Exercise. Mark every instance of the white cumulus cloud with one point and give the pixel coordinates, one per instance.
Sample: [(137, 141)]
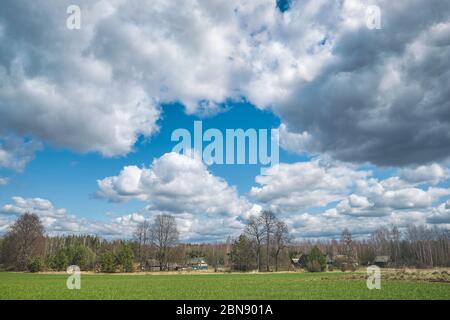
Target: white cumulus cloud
[(293, 187), (175, 183)]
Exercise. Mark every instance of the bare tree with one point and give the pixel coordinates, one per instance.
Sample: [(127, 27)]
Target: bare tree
[(164, 236), (348, 250), (142, 237), (269, 222), (24, 241), (281, 239), (255, 232), (395, 243), (347, 243)]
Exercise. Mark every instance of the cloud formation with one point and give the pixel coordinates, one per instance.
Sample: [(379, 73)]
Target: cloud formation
[(58, 221), (354, 93), (297, 186), (341, 90), (441, 214), (56, 90), (433, 174), (175, 183), (380, 95), (15, 152), (292, 188), (319, 198)]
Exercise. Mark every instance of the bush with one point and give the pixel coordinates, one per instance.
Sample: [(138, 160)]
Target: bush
[(36, 264), (316, 261)]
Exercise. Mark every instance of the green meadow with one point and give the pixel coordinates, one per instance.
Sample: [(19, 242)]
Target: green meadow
[(334, 285)]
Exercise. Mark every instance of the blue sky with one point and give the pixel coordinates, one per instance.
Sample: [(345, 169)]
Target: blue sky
[(86, 114), (49, 174)]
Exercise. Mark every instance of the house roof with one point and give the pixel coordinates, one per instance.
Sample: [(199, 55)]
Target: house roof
[(381, 259)]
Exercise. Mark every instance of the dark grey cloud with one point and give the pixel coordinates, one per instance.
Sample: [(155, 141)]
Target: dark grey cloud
[(384, 96), (360, 95)]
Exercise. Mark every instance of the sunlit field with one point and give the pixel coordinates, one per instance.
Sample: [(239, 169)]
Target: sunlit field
[(334, 285)]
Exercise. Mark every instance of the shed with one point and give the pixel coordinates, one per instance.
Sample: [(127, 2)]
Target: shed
[(381, 261)]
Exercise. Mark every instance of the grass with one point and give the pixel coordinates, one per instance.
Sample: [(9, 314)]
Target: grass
[(333, 285)]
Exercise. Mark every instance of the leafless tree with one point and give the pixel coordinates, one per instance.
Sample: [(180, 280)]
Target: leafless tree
[(164, 236), (347, 243), (281, 239), (348, 250), (142, 238), (256, 233), (269, 223)]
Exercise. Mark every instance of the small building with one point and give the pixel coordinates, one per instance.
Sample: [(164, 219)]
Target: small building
[(343, 262), (381, 261), (300, 260), (197, 264), (155, 265), (152, 265)]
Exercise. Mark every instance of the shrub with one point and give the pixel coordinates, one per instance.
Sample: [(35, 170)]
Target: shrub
[(36, 264)]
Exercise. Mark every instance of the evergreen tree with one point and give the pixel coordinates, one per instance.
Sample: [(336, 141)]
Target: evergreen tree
[(126, 258), (317, 261), (60, 261), (107, 262)]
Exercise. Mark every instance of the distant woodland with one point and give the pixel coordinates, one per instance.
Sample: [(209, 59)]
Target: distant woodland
[(265, 245)]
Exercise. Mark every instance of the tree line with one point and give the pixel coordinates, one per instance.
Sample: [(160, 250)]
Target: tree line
[(264, 245)]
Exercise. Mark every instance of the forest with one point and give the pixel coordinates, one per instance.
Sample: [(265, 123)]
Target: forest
[(264, 245)]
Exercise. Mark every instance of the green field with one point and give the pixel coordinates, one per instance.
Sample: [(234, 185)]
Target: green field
[(217, 286)]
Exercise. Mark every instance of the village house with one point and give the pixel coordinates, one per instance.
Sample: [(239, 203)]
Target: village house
[(197, 263), (154, 265)]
